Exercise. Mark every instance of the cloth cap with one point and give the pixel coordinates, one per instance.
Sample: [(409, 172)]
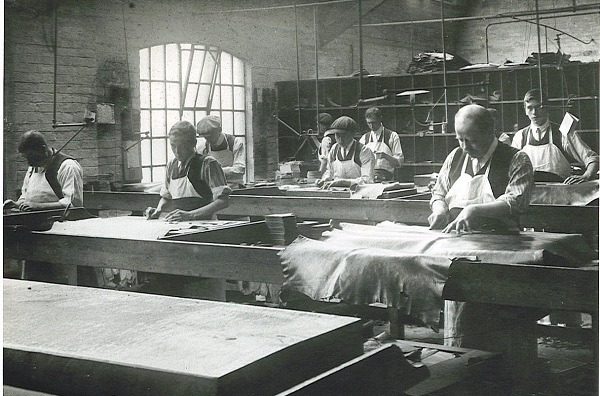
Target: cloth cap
[(344, 124), (208, 124)]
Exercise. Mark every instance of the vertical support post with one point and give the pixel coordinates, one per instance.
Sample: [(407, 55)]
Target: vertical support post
[(360, 49), (316, 27), (297, 67), (539, 44)]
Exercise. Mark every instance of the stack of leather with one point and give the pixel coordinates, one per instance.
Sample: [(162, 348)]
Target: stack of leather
[(282, 227)]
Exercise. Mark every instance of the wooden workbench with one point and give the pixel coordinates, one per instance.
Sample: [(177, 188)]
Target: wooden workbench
[(540, 217), (131, 242), (72, 340)]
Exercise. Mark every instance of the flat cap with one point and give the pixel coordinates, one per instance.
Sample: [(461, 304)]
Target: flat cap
[(344, 124), (208, 124)]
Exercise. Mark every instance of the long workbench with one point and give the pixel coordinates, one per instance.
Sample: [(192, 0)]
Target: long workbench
[(67, 340), (540, 217)]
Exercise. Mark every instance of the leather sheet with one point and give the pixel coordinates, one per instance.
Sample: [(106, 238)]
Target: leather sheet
[(564, 194), (406, 267), (412, 283)]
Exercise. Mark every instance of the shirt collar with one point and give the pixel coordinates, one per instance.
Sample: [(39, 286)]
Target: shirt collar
[(542, 128), (479, 163), (378, 132)]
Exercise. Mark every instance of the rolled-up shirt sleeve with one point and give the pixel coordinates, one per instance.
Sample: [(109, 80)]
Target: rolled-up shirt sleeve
[(578, 149), (70, 178), (164, 190), (396, 147), (367, 160), (214, 176), (520, 184), (442, 184)]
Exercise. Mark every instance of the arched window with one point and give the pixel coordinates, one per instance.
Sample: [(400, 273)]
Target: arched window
[(186, 82)]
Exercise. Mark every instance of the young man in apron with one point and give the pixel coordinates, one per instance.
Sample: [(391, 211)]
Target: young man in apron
[(227, 149), (551, 152), (482, 183), (195, 188), (385, 144), (349, 162), (53, 181)]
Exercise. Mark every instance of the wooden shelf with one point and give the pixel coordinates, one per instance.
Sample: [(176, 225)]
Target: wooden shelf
[(506, 84)]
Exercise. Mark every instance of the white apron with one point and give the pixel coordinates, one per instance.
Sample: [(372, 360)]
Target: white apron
[(346, 169), (547, 157), (182, 188), (38, 188), (226, 158), (379, 145), (470, 190)]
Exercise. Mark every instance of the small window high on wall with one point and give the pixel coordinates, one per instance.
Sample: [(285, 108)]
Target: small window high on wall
[(186, 82)]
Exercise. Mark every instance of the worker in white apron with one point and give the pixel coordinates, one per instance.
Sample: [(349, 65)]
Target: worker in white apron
[(227, 149), (195, 189), (385, 145), (349, 162), (53, 181), (551, 151)]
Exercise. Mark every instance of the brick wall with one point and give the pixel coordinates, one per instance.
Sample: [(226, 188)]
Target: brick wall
[(516, 41), (95, 61)]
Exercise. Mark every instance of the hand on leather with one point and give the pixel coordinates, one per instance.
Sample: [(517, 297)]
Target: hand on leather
[(575, 179), (179, 215), (152, 213), (463, 222), (438, 220)]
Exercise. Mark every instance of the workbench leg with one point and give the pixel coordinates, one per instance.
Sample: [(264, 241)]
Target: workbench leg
[(595, 330), (396, 323)]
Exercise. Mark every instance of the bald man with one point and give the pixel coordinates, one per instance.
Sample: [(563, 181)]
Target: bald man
[(482, 185)]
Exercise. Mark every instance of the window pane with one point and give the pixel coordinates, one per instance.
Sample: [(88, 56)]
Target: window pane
[(158, 95), (185, 59), (203, 96), (144, 95), (239, 98), (173, 93), (239, 121), (238, 71), (170, 154), (226, 98), (188, 115), (145, 147), (216, 100), (209, 69), (226, 68), (157, 59), (172, 118), (146, 175), (158, 173), (172, 62), (190, 95), (159, 151), (227, 121), (197, 64), (199, 115), (145, 121), (158, 124), (144, 64)]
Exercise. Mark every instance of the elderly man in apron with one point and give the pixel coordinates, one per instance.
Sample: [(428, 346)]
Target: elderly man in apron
[(53, 181), (385, 144), (195, 188), (227, 149), (349, 162), (482, 185), (551, 151)]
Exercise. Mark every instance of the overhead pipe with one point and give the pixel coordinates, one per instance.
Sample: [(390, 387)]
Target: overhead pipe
[(584, 7), (515, 20)]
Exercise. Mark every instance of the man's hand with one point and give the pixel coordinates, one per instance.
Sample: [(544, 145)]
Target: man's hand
[(382, 155), (29, 206), (463, 222), (179, 215), (319, 182), (575, 179), (9, 204), (152, 213), (437, 221)]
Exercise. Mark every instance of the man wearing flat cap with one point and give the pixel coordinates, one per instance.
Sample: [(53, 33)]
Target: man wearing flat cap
[(227, 149), (349, 162)]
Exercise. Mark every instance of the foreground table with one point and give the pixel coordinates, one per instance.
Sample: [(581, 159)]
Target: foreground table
[(73, 340)]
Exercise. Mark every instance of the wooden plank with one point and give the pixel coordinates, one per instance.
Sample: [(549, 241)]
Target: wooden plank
[(249, 233), (383, 371), (556, 288), (56, 340), (208, 260), (551, 218)]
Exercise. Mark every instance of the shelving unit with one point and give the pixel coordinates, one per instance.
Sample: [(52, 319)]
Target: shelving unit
[(574, 88)]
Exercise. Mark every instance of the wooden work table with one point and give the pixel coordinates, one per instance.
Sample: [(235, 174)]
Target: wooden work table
[(62, 339), (540, 217)]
